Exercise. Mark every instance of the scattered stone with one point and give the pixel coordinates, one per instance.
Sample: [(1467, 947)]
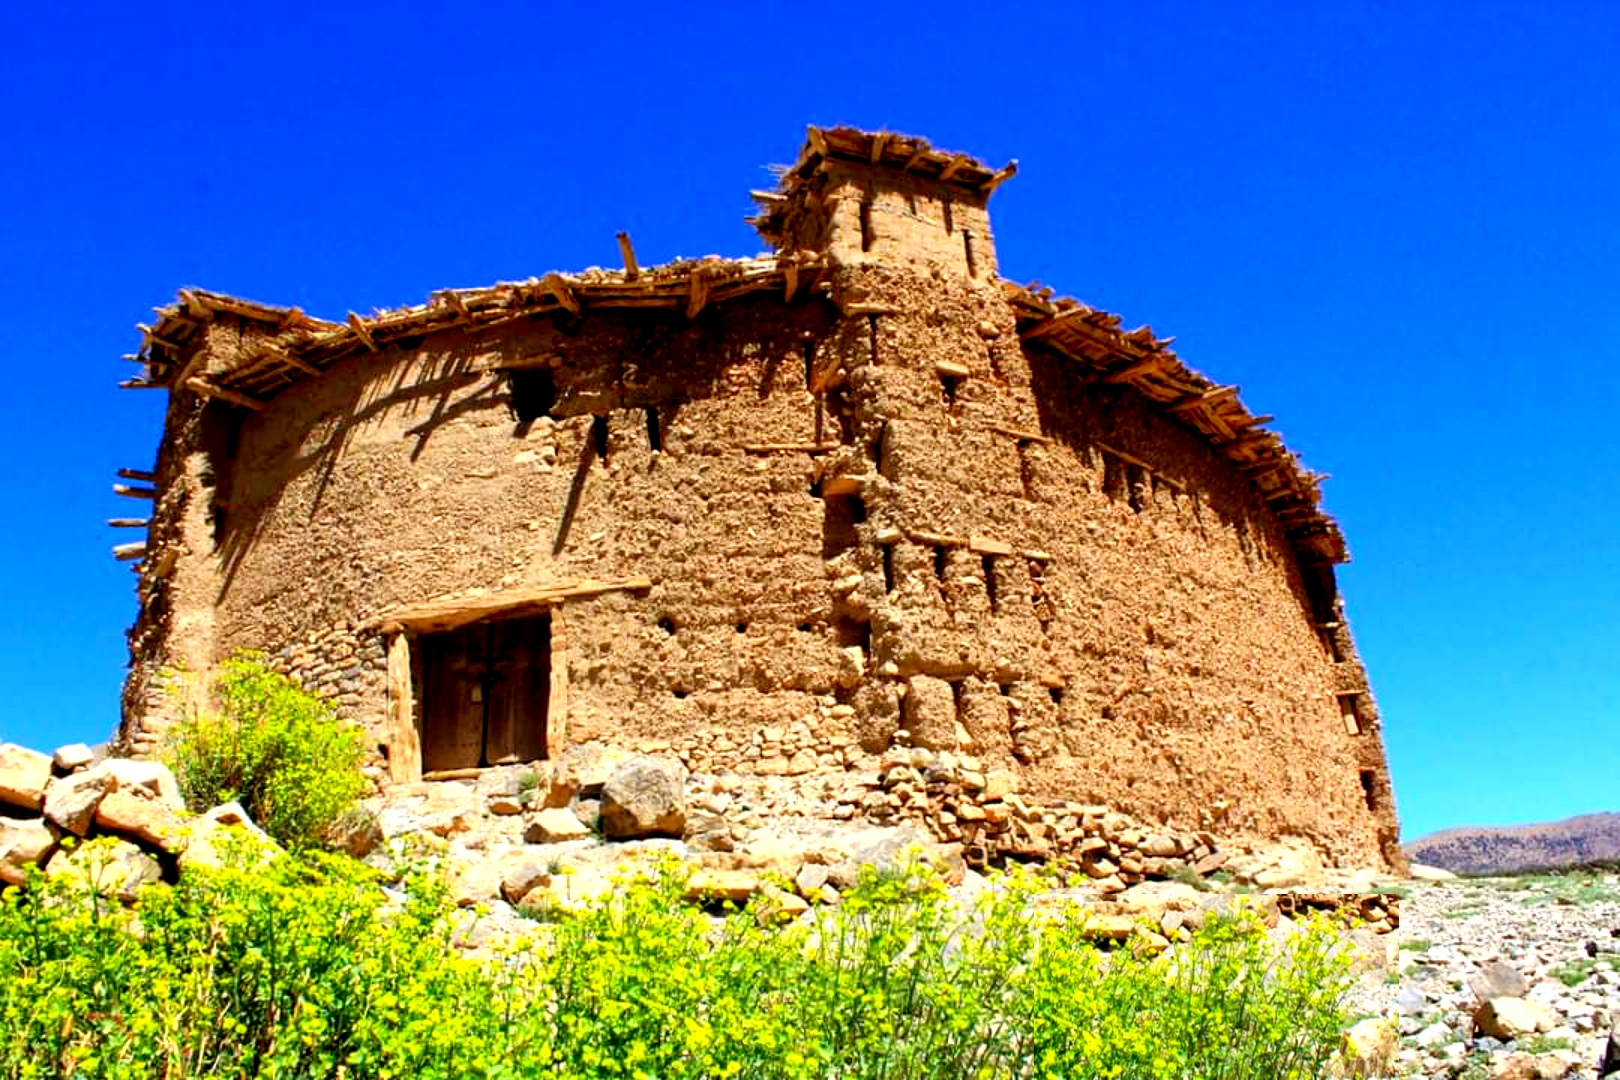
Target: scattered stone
[(737, 886), (1498, 979), (1368, 1048), (72, 757), (23, 844), (1513, 1018), (554, 826)]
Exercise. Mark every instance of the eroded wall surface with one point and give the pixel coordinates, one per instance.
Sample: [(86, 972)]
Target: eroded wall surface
[(871, 514)]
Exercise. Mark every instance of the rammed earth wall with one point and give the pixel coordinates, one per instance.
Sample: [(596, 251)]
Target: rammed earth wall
[(866, 513)]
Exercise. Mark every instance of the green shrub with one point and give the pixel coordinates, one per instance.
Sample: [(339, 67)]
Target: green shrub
[(309, 969), (275, 748)]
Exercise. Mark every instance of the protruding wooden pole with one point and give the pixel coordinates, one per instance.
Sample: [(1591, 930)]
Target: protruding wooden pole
[(632, 269), (134, 492), (557, 287), (128, 523), (130, 552)]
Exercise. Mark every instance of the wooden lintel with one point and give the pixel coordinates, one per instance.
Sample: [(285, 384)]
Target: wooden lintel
[(841, 485), (698, 295), (134, 492), (129, 552), (358, 325), (786, 448), (232, 397), (934, 539), (558, 288), (128, 523), (632, 269), (137, 474), (454, 612), (952, 369), (870, 309), (983, 545)]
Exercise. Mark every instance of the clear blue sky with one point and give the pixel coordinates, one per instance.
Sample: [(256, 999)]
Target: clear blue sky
[(1394, 225)]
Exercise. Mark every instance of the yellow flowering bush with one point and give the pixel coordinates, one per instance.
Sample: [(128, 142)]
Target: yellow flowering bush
[(315, 967)]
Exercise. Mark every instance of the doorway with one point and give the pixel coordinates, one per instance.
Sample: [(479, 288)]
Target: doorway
[(485, 693)]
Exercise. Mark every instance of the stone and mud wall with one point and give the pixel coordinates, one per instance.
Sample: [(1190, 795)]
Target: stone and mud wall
[(866, 518)]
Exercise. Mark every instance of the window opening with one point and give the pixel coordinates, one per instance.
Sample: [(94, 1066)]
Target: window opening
[(866, 224), (599, 437), (809, 364), (1369, 789), (533, 393), (951, 385), (854, 633), (939, 564), (1136, 484), (967, 250), (989, 562), (1026, 469), (872, 335), (1350, 711), (1056, 694), (888, 569)]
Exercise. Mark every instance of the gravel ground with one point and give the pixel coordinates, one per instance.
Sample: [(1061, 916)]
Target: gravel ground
[(1552, 941)]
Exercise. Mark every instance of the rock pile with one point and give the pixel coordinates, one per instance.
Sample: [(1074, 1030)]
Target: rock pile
[(51, 806)]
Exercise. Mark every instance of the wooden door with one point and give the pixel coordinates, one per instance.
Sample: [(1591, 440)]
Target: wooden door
[(485, 693)]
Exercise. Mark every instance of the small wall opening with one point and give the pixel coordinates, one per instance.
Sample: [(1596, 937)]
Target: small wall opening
[(972, 259), (1056, 694), (1113, 477), (667, 625), (951, 386), (1369, 789), (940, 563), (532, 393), (1136, 486), (840, 516), (866, 224), (948, 213), (854, 633), (888, 568), (485, 694), (599, 437), (655, 431), (1026, 469), (872, 337), (1040, 596), (809, 348), (992, 588), (838, 404)]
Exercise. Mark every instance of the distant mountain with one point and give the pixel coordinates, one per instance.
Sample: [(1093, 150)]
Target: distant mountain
[(1590, 838)]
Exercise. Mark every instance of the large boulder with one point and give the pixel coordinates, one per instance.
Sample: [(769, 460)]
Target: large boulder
[(73, 757), (71, 801), (112, 867), (645, 796), (23, 844), (24, 774)]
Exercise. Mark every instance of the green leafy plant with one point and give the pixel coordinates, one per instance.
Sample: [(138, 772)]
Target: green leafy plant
[(310, 968), (275, 748)]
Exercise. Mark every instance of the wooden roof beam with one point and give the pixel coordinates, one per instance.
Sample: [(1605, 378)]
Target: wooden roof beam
[(289, 360), (232, 397), (999, 177), (560, 290), (1200, 402), (1148, 365), (359, 327), (954, 166), (698, 295), (880, 142)]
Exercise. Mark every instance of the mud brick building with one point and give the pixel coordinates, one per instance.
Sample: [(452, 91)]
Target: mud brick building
[(862, 487)]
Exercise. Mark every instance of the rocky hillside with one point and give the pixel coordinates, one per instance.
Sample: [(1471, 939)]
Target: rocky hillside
[(1578, 841)]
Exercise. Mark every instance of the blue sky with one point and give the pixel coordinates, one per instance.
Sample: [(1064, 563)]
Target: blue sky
[(1394, 225)]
